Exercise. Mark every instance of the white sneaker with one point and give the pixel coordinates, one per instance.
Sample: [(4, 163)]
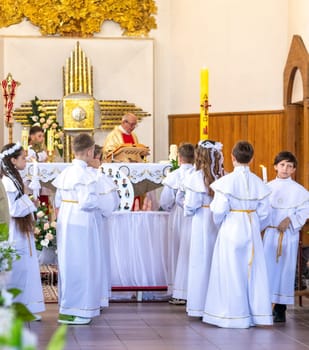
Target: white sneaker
[(37, 317), (176, 301), (75, 320)]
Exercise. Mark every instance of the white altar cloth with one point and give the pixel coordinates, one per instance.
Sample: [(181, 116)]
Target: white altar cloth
[(138, 248), (145, 177)]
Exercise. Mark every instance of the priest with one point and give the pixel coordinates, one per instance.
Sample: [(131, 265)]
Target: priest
[(121, 134)]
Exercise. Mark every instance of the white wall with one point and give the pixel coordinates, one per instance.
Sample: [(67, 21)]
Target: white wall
[(243, 43)]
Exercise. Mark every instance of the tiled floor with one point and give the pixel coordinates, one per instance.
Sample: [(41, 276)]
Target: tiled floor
[(161, 326)]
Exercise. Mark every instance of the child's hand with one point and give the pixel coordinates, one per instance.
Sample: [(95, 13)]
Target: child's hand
[(95, 163), (284, 224), (36, 202)]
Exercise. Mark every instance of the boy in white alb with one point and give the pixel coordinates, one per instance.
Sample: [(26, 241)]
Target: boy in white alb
[(108, 202), (238, 293), (78, 240), (177, 223), (289, 212), (36, 144)]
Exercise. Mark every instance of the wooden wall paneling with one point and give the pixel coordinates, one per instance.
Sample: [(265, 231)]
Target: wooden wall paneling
[(184, 128), (301, 146), (265, 134), (263, 129), (227, 129)]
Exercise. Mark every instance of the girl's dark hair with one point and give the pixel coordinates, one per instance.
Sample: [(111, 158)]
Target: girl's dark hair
[(285, 155), (26, 223)]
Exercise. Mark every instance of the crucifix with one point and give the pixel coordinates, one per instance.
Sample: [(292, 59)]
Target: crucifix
[(9, 86)]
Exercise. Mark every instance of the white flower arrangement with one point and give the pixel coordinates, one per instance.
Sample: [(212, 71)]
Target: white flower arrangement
[(13, 334), (8, 255), (173, 153), (44, 231), (173, 157), (39, 116)]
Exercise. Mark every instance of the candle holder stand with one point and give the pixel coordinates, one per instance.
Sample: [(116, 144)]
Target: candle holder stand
[(51, 155)]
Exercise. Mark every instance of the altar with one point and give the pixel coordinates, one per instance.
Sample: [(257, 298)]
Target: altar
[(144, 177), (138, 240)]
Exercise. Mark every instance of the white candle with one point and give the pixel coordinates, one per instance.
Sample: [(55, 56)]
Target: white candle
[(264, 173), (35, 168), (24, 138), (35, 183)]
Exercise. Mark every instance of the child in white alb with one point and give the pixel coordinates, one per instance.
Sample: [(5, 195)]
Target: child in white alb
[(208, 168), (108, 202), (177, 223), (26, 272), (289, 212), (238, 292), (78, 237)]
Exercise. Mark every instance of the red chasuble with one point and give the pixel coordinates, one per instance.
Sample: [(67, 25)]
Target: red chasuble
[(127, 138)]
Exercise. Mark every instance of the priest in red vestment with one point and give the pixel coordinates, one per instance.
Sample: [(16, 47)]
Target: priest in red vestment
[(121, 134)]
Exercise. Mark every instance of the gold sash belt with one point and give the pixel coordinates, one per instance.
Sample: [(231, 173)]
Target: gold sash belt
[(205, 206), (280, 240), (243, 210), (69, 201), (248, 211)]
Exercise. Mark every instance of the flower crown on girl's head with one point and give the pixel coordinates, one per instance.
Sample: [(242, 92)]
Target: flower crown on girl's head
[(211, 144), (10, 150)]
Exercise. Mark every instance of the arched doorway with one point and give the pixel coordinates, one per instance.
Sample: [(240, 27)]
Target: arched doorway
[(296, 126)]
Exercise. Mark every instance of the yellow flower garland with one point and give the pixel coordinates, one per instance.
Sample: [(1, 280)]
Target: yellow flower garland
[(80, 18)]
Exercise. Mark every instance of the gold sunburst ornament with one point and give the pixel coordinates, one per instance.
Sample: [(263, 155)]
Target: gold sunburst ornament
[(80, 18)]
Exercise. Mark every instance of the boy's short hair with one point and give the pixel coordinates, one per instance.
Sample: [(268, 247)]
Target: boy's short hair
[(34, 129), (82, 142), (243, 152), (186, 152), (285, 155)]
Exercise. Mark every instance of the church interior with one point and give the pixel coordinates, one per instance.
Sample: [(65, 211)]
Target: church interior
[(256, 55)]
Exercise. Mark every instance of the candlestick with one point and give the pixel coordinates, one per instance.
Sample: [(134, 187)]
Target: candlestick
[(204, 104), (264, 173), (50, 140), (24, 138)]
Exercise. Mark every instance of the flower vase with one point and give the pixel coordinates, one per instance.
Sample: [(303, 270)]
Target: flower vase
[(48, 256)]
